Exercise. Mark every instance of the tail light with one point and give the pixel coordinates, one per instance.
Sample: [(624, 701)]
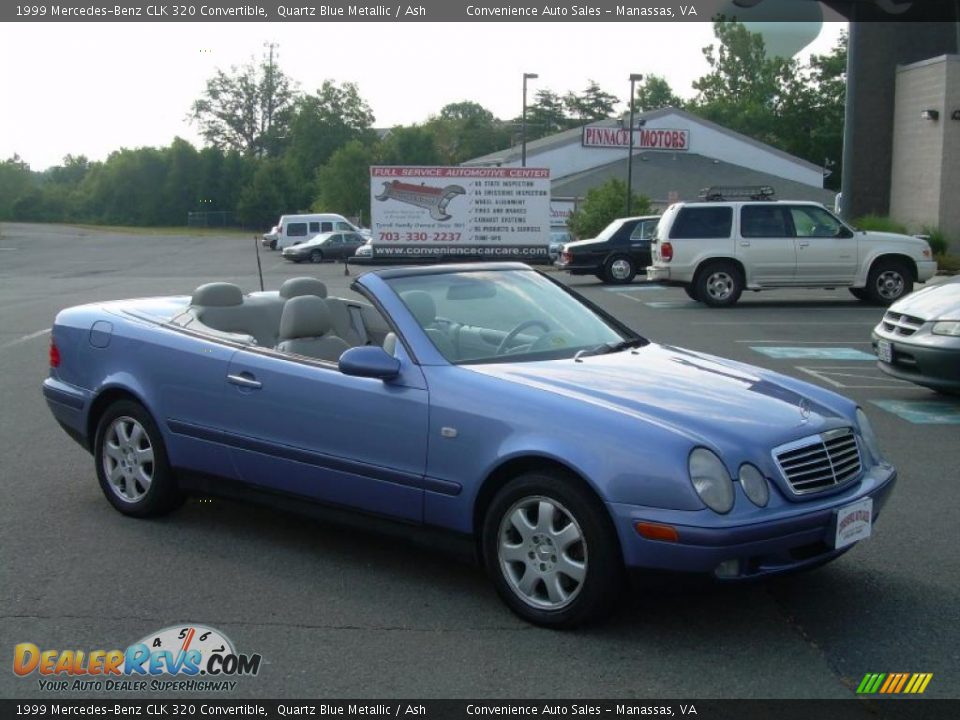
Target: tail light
[(666, 251), (54, 354), (566, 257)]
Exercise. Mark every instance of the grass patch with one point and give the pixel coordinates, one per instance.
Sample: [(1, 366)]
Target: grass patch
[(181, 231), (948, 264)]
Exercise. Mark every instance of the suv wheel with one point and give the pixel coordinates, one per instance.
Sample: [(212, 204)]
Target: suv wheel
[(691, 292), (888, 281), (619, 270), (718, 284)]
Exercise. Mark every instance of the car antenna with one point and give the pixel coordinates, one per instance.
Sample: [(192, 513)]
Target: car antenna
[(256, 249)]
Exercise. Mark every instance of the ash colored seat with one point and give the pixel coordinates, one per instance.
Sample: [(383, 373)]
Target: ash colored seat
[(424, 309), (345, 324), (223, 307), (306, 329), (298, 286)]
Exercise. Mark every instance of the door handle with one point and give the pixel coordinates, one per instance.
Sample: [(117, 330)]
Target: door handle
[(744, 243), (804, 243), (245, 380)]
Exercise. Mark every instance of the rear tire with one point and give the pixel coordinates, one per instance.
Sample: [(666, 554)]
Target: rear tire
[(691, 292), (859, 293), (619, 270), (718, 284), (131, 461), (551, 550), (888, 281)]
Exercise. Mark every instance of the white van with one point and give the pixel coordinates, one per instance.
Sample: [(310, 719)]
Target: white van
[(293, 229)]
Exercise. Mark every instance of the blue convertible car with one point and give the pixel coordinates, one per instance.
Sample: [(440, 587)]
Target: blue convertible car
[(485, 400)]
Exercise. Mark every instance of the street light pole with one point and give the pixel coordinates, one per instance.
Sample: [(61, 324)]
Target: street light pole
[(634, 78), (523, 123)]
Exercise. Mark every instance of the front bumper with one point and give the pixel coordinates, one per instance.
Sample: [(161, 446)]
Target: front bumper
[(792, 540), (926, 269), (294, 255), (934, 367)]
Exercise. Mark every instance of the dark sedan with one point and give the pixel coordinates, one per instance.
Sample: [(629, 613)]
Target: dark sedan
[(615, 255)]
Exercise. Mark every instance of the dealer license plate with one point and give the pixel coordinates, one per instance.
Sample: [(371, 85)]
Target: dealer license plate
[(885, 351), (854, 523)]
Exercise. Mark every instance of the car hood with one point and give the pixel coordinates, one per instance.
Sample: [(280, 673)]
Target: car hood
[(940, 302), (589, 242), (723, 403), (889, 237)]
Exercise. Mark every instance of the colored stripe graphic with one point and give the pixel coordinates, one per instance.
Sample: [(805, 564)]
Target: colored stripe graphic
[(894, 683)]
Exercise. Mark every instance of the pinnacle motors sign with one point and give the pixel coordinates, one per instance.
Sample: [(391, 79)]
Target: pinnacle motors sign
[(643, 138)]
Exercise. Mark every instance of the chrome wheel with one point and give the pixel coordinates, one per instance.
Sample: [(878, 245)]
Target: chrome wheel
[(542, 553), (620, 269), (890, 284), (720, 285), (128, 459)]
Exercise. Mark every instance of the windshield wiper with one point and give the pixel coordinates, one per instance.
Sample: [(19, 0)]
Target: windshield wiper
[(610, 347)]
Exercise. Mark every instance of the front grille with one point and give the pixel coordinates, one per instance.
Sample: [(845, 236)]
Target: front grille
[(819, 462), (900, 324)]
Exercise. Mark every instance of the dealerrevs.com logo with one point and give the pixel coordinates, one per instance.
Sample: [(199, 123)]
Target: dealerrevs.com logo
[(177, 658)]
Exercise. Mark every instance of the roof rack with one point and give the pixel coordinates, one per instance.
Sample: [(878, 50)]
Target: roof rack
[(730, 192)]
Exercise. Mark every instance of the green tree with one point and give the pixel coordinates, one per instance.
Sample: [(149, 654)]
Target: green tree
[(323, 123), (655, 93), (466, 130), (181, 187), (546, 116), (15, 181), (247, 109), (603, 205), (266, 197), (344, 182), (591, 104), (413, 145)]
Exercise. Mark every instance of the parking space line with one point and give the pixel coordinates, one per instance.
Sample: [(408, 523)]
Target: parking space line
[(632, 288), (923, 412), (24, 338), (837, 374), (809, 342), (783, 352), (791, 323)]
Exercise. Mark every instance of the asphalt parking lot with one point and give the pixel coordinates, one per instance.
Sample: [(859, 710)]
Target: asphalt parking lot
[(339, 613)]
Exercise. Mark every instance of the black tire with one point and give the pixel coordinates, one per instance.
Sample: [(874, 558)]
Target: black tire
[(888, 281), (573, 601), (691, 292), (316, 256), (125, 460), (619, 270), (273, 244), (718, 284), (859, 293)]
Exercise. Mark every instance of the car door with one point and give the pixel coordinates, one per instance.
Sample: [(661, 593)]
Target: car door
[(301, 426), (640, 241), (766, 245), (333, 247), (826, 248), (352, 241)]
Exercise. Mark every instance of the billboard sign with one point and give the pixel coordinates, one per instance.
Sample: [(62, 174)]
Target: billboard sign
[(643, 138)]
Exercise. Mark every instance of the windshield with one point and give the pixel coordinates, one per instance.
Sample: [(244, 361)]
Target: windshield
[(513, 315)]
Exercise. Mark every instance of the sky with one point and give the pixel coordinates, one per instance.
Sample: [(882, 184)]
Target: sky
[(92, 88)]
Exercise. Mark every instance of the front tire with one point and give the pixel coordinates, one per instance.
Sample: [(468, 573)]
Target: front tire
[(859, 293), (316, 256), (131, 461), (550, 548), (719, 284), (888, 281), (619, 270), (691, 292)]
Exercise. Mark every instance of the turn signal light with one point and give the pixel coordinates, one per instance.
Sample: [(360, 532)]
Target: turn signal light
[(54, 354), (666, 251), (655, 531)]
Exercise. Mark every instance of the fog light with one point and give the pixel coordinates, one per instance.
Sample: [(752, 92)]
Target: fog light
[(655, 531), (728, 569)]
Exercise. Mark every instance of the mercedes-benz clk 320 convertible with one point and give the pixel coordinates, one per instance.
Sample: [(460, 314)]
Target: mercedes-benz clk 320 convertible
[(485, 400)]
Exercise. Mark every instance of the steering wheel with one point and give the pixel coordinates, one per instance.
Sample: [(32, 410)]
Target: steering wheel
[(512, 335)]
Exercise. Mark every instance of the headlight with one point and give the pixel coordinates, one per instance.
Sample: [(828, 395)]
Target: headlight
[(711, 480), (754, 484), (869, 437), (946, 327)]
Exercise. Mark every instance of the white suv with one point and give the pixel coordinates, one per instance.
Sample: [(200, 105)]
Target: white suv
[(715, 250)]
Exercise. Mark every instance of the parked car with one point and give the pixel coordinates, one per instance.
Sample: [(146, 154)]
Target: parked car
[(269, 239), (558, 238), (485, 402), (716, 250), (615, 255), (326, 246), (919, 338)]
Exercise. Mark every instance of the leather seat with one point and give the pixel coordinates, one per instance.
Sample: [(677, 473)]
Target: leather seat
[(424, 309), (305, 329)]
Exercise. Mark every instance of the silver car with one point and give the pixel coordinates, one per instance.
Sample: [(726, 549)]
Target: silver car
[(919, 338)]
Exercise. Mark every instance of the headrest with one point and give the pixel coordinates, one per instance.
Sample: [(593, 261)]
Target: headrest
[(422, 306), (295, 287), (303, 317), (217, 294), (390, 343)]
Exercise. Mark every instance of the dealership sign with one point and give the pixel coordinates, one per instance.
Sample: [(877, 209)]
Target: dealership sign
[(643, 138)]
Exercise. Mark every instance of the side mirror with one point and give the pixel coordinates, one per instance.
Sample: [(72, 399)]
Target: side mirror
[(845, 232), (369, 361)]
